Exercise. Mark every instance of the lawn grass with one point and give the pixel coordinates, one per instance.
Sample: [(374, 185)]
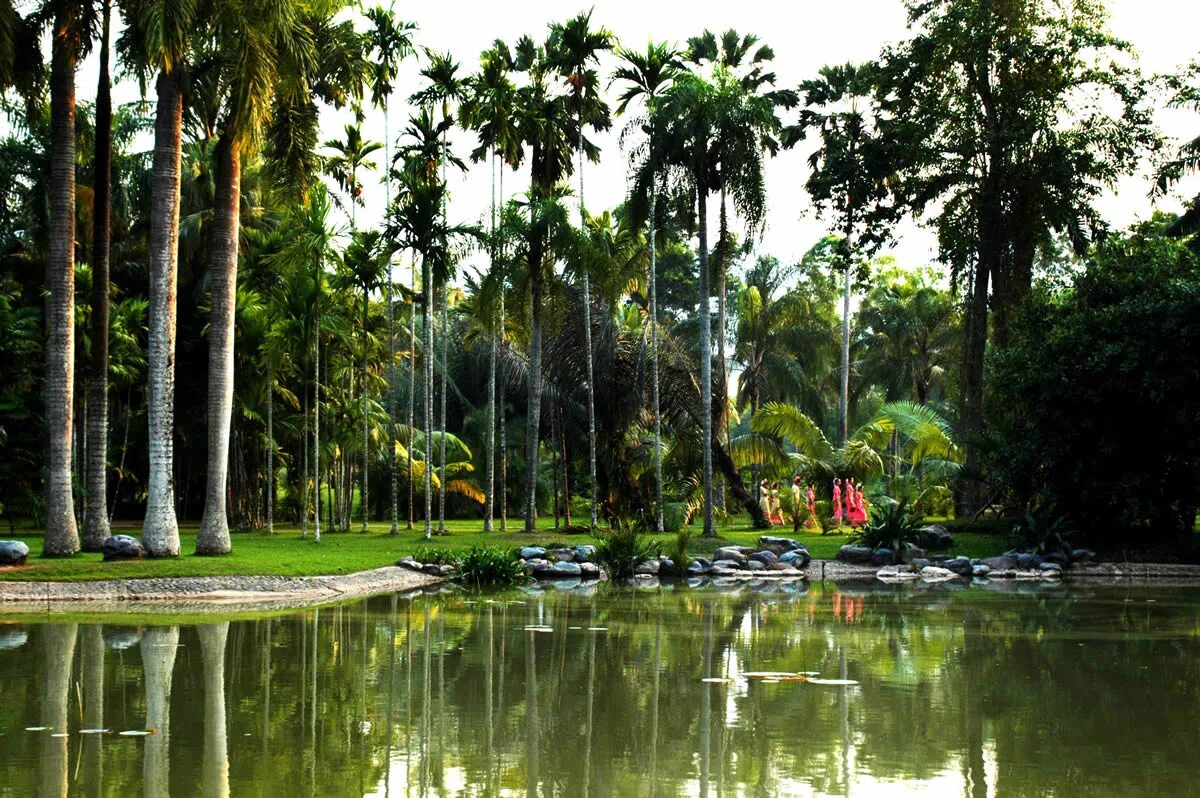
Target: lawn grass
[(287, 554)]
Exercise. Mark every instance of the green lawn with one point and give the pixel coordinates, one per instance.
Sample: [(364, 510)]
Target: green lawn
[(287, 554)]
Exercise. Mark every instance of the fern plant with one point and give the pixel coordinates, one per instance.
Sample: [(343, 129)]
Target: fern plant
[(891, 527)]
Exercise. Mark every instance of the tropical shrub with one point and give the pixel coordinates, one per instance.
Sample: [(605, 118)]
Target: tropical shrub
[(430, 554), (891, 526), (1041, 533), (622, 549), (489, 566)]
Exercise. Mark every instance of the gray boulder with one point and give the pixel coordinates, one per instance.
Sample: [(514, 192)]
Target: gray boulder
[(917, 563), (896, 573), (13, 552), (765, 557), (531, 553), (936, 538), (756, 565), (585, 552), (1028, 561), (589, 570), (697, 568), (931, 573), (732, 553), (1005, 562), (123, 547), (883, 556), (431, 568), (800, 558), (910, 552), (1056, 557), (726, 567), (567, 569), (855, 555), (959, 565), (1051, 569), (563, 555), (12, 637), (778, 545), (783, 568), (980, 570), (1082, 555), (648, 568)]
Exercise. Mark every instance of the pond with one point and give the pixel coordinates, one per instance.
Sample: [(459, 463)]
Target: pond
[(602, 692)]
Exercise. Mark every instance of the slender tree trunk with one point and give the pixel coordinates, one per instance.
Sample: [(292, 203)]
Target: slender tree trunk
[(213, 537), (391, 333), (722, 307), (62, 536), (366, 511), (658, 475), (705, 362), (317, 416), (589, 354), (412, 393), (445, 385), (158, 646), (844, 406), (534, 412), (95, 522), (304, 463), (491, 398), (427, 405), (500, 400), (271, 451)]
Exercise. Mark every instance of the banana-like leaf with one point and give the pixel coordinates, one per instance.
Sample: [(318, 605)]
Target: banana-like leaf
[(788, 422)]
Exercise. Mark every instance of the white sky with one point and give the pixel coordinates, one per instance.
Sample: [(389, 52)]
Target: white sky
[(804, 35)]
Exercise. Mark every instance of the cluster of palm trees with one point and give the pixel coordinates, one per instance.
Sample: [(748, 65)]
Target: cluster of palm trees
[(301, 309)]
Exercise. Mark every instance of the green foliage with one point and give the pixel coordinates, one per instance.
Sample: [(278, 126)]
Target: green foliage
[(1042, 532), (1101, 390), (891, 526), (621, 550), (438, 556), (679, 548), (489, 566)]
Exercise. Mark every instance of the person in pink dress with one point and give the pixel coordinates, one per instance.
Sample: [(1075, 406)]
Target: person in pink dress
[(848, 500), (812, 508), (837, 502), (862, 506)]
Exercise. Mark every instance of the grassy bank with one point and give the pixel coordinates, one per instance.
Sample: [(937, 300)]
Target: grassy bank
[(287, 554)]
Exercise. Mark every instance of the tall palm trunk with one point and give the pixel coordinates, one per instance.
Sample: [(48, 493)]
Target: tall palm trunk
[(844, 405), (95, 519), (705, 360), (412, 388), (160, 532), (500, 403), (317, 415), (366, 426), (658, 477), (490, 493), (271, 451), (722, 307), (534, 411), (391, 334), (587, 342), (62, 537), (442, 425), (427, 405), (213, 537)]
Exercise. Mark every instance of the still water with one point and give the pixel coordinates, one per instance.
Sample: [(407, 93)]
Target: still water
[(973, 692)]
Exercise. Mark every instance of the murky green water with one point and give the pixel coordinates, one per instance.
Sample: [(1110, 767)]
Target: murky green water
[(960, 692)]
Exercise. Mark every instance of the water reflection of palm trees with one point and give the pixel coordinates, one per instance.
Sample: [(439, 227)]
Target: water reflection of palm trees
[(215, 768), (58, 655), (159, 646)]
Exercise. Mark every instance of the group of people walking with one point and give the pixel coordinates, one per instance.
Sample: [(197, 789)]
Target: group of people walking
[(848, 504)]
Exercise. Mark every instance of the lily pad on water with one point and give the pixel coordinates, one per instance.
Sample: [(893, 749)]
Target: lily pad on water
[(834, 682), (597, 628), (93, 731), (716, 680), (539, 628), (60, 734), (138, 733), (36, 728), (768, 674)]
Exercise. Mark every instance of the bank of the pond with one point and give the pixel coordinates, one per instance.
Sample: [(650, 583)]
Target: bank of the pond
[(223, 591)]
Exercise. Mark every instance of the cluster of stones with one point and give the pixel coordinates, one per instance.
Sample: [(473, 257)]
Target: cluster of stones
[(430, 568), (912, 563), (779, 557), (116, 547), (566, 562)]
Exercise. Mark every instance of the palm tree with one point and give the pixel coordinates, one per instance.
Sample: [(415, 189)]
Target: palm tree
[(572, 50), (489, 110), (158, 31), (95, 523), (353, 156), (391, 42), (445, 87), (71, 22), (273, 73), (838, 106), (547, 126), (647, 76)]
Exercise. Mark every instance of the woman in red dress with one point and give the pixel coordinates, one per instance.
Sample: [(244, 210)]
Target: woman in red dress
[(837, 502)]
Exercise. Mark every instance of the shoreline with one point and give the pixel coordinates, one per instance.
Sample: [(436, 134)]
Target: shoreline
[(223, 593), (246, 593)]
